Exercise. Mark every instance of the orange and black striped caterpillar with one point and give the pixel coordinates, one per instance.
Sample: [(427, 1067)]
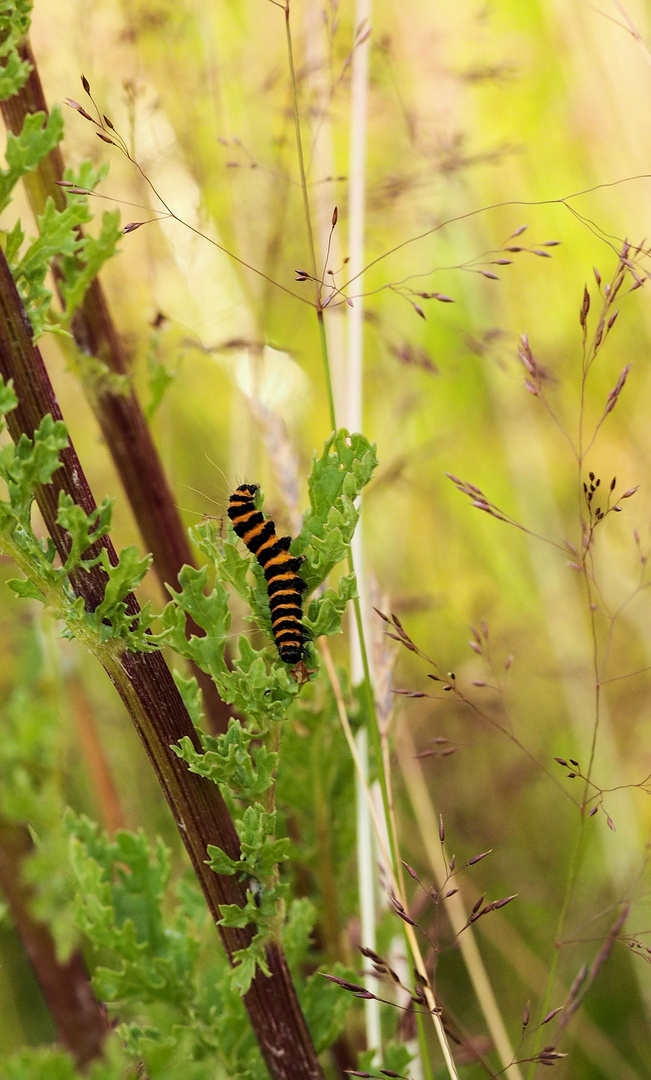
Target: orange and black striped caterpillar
[(284, 585)]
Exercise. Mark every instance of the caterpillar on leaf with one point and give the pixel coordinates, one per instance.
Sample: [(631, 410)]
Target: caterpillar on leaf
[(284, 585)]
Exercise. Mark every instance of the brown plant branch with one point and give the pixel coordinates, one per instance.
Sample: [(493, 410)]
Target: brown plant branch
[(118, 414), (152, 699), (80, 1019)]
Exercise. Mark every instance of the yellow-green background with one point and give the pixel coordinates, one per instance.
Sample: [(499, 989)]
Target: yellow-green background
[(486, 113)]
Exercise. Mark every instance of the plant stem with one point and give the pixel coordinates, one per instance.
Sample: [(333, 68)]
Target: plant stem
[(308, 220), (575, 863), (119, 415), (152, 699), (410, 935), (326, 368), (80, 1020), (426, 820)]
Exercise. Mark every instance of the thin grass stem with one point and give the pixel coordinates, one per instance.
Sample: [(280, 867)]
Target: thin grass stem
[(308, 217), (410, 934), (425, 815), (360, 667), (575, 863)]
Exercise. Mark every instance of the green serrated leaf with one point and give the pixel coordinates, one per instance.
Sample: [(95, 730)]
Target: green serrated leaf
[(236, 917), (24, 152), (26, 590), (13, 242), (234, 567), (247, 685), (80, 257), (122, 579), (88, 176), (222, 863), (15, 19), (246, 961), (91, 254), (13, 75), (121, 885), (228, 760), (260, 693), (260, 851), (8, 399), (59, 237), (209, 611), (191, 694), (324, 614), (337, 478), (33, 461), (83, 529)]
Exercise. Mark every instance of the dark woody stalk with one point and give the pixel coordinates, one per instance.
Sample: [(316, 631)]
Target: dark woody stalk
[(80, 1020), (118, 413), (146, 687)]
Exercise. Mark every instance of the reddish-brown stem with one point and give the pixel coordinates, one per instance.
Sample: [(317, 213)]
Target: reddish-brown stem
[(118, 413), (80, 1020), (151, 697)]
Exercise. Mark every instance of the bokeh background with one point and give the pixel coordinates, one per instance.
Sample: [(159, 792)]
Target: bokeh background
[(482, 119)]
